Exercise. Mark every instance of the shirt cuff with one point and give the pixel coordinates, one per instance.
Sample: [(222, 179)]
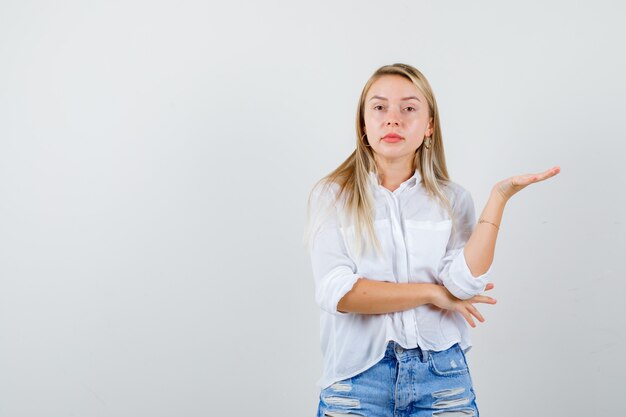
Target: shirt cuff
[(336, 285), (460, 281)]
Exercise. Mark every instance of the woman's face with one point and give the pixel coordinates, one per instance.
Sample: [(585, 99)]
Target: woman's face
[(396, 118)]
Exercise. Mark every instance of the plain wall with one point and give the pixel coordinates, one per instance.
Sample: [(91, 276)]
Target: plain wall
[(156, 157)]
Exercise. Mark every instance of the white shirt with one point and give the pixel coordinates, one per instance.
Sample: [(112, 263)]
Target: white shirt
[(418, 246)]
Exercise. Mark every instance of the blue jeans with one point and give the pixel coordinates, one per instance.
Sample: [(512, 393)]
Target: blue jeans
[(405, 383)]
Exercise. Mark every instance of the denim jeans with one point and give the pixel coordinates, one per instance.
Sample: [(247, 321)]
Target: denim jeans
[(405, 383)]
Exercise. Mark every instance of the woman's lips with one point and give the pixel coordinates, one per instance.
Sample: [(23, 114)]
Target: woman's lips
[(392, 138)]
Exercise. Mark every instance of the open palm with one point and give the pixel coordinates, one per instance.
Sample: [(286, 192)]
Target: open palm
[(509, 187)]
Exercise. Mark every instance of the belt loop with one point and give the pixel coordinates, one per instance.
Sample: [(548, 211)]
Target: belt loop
[(390, 351), (425, 355)]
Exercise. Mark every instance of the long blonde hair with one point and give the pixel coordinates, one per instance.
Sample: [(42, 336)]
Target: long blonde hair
[(351, 178)]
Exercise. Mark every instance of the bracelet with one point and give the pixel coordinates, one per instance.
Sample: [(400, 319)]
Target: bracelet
[(485, 221)]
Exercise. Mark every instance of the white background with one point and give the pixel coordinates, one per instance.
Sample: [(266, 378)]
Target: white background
[(156, 157)]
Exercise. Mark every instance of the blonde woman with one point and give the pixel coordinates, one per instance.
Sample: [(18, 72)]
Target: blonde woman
[(399, 260)]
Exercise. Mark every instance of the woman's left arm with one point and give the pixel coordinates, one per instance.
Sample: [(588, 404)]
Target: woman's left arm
[(480, 247)]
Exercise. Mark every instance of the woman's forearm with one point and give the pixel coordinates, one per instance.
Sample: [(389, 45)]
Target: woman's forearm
[(378, 297), (480, 248)]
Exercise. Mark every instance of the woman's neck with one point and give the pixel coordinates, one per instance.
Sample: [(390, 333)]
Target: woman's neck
[(393, 174)]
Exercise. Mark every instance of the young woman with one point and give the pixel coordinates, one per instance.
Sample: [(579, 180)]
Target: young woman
[(399, 261)]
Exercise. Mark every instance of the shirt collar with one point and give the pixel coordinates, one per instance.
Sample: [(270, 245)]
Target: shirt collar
[(415, 178)]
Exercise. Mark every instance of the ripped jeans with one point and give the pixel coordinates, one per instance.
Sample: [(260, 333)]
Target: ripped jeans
[(405, 383)]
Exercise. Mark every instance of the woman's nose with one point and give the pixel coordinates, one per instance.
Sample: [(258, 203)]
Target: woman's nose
[(393, 118)]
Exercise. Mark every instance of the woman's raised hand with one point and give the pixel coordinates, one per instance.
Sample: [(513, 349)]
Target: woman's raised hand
[(508, 187)]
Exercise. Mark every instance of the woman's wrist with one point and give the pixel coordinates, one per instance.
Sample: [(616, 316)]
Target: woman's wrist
[(494, 208), (432, 292), (497, 196)]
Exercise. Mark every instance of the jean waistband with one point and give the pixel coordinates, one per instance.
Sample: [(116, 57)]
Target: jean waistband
[(397, 351)]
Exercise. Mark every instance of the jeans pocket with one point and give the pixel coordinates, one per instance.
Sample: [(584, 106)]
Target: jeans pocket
[(450, 362)]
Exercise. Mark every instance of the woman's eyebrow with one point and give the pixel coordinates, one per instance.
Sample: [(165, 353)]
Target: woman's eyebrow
[(402, 99)]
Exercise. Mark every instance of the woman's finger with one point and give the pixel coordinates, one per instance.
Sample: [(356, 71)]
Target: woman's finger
[(468, 317), (533, 178), (483, 299), (548, 174), (476, 313)]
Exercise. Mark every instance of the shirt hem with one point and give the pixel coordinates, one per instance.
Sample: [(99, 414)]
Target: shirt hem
[(326, 382)]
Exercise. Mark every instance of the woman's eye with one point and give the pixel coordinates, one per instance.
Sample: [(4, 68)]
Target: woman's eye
[(377, 107), (412, 108)]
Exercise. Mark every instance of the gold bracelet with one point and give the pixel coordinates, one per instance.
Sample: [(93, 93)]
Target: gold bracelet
[(485, 221)]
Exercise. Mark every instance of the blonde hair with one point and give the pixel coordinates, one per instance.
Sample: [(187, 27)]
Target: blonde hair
[(351, 178)]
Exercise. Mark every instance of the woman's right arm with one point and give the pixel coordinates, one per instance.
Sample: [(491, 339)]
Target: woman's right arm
[(378, 297), (369, 296)]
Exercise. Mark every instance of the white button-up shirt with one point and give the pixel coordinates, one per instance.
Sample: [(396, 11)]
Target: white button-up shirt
[(418, 245)]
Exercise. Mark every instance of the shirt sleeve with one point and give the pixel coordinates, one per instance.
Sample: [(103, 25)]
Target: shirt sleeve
[(454, 272), (334, 270)]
